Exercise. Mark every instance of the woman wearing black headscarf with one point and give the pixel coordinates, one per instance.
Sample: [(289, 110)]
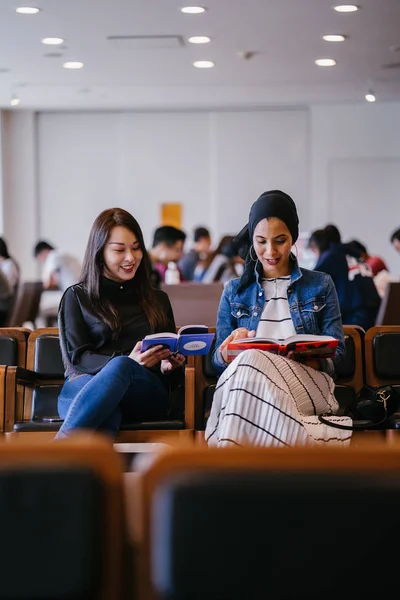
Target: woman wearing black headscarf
[(262, 398)]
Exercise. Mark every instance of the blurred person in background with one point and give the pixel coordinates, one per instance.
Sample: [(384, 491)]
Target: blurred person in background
[(382, 279), (226, 264), (191, 264), (358, 297), (59, 270), (9, 266), (395, 240), (375, 262), (167, 247)]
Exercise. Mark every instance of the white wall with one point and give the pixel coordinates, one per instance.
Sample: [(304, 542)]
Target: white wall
[(21, 216), (215, 164), (60, 170), (355, 174)]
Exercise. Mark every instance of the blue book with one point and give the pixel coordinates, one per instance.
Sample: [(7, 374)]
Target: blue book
[(190, 339)]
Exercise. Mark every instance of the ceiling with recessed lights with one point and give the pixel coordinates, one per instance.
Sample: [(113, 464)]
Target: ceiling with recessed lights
[(136, 54)]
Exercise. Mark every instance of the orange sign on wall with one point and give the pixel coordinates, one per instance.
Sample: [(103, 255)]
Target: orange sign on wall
[(171, 214)]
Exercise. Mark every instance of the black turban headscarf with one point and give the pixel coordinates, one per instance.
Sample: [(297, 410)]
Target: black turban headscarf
[(273, 203)]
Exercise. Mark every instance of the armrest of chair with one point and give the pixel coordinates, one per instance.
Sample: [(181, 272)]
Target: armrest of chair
[(190, 392), (3, 371), (16, 380)]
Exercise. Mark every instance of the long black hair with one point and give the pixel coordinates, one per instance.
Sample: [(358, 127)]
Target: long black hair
[(93, 268), (3, 249)]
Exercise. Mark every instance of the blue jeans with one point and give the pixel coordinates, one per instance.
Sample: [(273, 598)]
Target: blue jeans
[(122, 391)]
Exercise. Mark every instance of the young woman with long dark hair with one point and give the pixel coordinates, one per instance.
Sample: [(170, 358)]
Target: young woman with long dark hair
[(102, 321)]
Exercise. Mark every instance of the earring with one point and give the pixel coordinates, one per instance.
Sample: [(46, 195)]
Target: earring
[(253, 259)]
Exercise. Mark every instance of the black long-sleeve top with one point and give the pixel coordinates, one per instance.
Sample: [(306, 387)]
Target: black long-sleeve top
[(87, 343)]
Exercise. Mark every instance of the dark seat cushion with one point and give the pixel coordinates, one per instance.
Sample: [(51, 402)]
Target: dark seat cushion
[(48, 358), (53, 527), (345, 369), (386, 353), (8, 351), (346, 396), (208, 368), (246, 560), (44, 402), (45, 414)]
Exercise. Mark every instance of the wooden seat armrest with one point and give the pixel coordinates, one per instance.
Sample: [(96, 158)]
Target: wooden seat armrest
[(189, 393), (10, 405), (25, 376), (3, 371)]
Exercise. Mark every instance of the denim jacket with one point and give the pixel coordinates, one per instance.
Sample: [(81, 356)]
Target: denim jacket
[(313, 305)]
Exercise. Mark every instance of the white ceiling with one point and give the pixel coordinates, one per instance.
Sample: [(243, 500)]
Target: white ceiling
[(286, 36)]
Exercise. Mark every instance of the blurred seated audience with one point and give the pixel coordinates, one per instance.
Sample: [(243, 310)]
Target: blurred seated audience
[(382, 279), (191, 264), (9, 266), (167, 247), (225, 263), (59, 270), (358, 297), (6, 299), (395, 240), (375, 262)]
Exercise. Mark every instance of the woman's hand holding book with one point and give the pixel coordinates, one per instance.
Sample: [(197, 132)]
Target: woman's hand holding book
[(239, 333), (150, 357)]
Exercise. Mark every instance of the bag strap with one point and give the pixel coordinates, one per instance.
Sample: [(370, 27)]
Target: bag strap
[(383, 397), (350, 427)]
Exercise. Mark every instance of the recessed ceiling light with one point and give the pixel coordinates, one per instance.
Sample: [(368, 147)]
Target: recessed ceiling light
[(203, 64), (333, 37), (345, 8), (193, 10), (199, 39), (73, 65), (52, 41), (325, 62), (14, 100), (27, 10), (370, 97)]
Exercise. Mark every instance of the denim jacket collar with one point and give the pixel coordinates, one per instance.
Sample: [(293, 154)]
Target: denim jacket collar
[(295, 273)]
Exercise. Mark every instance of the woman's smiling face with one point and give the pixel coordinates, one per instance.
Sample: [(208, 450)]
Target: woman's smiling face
[(272, 243), (122, 255)]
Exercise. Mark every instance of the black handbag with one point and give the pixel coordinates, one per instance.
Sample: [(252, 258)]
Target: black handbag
[(373, 405)]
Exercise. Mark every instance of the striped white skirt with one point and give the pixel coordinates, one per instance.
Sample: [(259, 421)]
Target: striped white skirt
[(263, 399)]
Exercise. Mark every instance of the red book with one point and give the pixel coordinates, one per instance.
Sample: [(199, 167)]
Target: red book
[(312, 346)]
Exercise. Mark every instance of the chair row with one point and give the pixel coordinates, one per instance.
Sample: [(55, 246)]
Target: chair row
[(67, 530), (33, 373), (31, 378), (372, 359)]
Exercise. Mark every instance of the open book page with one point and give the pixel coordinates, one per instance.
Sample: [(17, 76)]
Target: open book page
[(186, 329), (299, 337), (164, 334), (312, 346)]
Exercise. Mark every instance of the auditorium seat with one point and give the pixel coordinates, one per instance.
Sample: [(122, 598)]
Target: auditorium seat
[(13, 343), (382, 364), (26, 305), (271, 523), (63, 521), (32, 393), (350, 372), (389, 310)]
